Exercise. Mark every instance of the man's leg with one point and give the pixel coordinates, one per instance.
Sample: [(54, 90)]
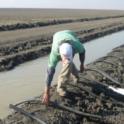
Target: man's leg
[(64, 76), (75, 73)]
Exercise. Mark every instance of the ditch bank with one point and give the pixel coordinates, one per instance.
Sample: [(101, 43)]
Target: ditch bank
[(51, 22), (15, 53), (90, 101)]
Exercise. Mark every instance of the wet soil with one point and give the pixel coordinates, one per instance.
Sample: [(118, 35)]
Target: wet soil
[(89, 95)]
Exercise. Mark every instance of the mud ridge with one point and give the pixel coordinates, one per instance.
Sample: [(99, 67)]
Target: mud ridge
[(52, 22)]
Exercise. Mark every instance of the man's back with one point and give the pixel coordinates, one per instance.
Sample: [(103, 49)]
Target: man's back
[(59, 38), (66, 36)]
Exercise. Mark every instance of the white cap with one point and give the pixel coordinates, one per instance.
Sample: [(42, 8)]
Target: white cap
[(66, 50)]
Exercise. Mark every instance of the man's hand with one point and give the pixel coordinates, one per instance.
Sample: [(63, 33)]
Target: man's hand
[(81, 68), (46, 96)]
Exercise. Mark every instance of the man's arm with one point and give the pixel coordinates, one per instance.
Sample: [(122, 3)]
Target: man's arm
[(46, 96), (53, 60), (49, 78), (50, 74), (82, 58)]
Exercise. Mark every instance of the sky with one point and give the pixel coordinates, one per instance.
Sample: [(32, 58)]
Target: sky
[(71, 4)]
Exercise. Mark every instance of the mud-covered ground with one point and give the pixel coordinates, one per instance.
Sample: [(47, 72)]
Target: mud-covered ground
[(90, 95), (27, 16)]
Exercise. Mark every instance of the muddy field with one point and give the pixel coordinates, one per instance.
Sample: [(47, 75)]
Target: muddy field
[(13, 16), (27, 34), (90, 101), (20, 45)]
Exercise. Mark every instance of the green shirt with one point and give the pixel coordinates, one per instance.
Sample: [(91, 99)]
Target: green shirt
[(59, 38)]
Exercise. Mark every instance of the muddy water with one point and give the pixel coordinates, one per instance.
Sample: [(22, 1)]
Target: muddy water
[(28, 80)]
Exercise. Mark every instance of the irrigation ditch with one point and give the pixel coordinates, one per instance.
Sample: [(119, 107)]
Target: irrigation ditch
[(90, 101), (20, 51)]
